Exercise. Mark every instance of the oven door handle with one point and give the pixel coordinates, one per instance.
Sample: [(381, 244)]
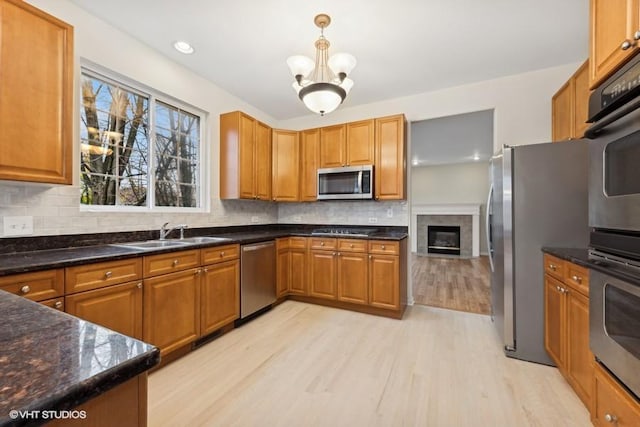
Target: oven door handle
[(594, 129)]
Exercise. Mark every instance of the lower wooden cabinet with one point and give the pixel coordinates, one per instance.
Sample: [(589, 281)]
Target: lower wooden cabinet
[(384, 277), (36, 286), (117, 307), (298, 266), (566, 326), (352, 275), (322, 274), (172, 309), (283, 267), (220, 295), (611, 403)]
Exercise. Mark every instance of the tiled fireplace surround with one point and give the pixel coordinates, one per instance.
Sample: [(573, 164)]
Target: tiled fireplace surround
[(466, 216)]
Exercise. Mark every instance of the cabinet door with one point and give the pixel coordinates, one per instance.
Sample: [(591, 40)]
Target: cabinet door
[(554, 320), (322, 274), (384, 281), (562, 112), (390, 166), (286, 166), (247, 149), (579, 356), (332, 146), (581, 100), (309, 161), (263, 161), (352, 277), (360, 143), (172, 310), (283, 272), (611, 404), (220, 295), (612, 23), (36, 105), (117, 307), (298, 276)]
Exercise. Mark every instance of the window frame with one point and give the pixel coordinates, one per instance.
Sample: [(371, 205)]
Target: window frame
[(153, 95)]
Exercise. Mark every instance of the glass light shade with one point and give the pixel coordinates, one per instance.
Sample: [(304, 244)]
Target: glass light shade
[(342, 63), (347, 84), (300, 65), (322, 98)]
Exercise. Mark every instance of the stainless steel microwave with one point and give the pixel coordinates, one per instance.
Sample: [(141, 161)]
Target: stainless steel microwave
[(345, 183)]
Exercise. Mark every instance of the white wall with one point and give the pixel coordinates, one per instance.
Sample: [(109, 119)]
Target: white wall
[(453, 183)]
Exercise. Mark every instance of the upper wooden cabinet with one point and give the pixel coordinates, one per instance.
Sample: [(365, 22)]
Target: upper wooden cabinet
[(309, 161), (350, 144), (245, 157), (390, 163), (614, 35), (286, 166), (36, 105), (570, 106)]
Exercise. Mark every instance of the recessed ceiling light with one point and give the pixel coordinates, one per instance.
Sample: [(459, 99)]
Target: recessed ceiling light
[(476, 157), (183, 47)]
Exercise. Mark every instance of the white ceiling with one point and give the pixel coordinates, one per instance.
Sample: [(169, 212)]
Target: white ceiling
[(403, 47)]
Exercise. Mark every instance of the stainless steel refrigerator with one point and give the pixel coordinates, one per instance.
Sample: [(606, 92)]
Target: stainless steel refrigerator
[(537, 197)]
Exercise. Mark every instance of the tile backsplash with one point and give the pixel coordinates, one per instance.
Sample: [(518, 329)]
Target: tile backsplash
[(55, 210)]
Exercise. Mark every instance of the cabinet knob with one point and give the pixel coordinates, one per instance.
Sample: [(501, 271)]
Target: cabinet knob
[(175, 262), (626, 45), (370, 256), (321, 243), (58, 305), (221, 254), (206, 270), (577, 279), (383, 247), (25, 289), (334, 254), (558, 288), (610, 418), (108, 274), (636, 35), (139, 285), (351, 245), (339, 254), (197, 272), (552, 267)]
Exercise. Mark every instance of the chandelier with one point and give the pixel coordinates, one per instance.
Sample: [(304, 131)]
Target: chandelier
[(322, 85)]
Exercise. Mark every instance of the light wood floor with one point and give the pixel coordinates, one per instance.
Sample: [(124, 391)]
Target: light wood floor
[(307, 365), (453, 283)]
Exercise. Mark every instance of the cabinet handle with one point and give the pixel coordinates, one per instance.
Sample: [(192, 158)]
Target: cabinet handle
[(175, 262), (321, 243), (25, 289), (558, 288), (626, 45), (108, 274), (221, 254), (339, 254), (610, 418), (58, 305), (334, 254), (636, 35), (139, 285), (577, 279), (383, 247), (197, 272), (206, 270), (351, 245), (553, 267), (370, 256)]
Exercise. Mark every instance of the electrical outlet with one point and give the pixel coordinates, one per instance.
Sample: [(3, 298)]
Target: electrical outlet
[(297, 218), (373, 220), (18, 225), (255, 219), (390, 213)]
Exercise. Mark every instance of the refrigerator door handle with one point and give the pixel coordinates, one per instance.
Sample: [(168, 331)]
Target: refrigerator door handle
[(487, 228)]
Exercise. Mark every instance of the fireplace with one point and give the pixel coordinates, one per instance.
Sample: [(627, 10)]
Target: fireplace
[(442, 239)]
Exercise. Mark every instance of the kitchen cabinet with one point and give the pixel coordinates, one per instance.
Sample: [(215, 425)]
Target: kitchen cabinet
[(283, 267), (350, 144), (101, 274), (36, 106), (611, 403), (614, 35), (332, 146), (298, 266), (322, 268), (352, 271), (309, 163), (390, 163), (570, 107), (384, 275), (117, 307), (170, 262), (36, 286), (286, 166), (245, 157), (172, 309), (566, 296), (220, 295)]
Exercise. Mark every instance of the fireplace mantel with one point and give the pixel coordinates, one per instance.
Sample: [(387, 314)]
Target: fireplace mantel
[(448, 209)]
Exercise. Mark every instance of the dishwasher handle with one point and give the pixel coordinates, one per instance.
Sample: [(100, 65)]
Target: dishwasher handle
[(248, 248)]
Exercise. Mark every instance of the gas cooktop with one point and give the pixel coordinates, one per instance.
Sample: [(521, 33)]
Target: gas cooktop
[(356, 232)]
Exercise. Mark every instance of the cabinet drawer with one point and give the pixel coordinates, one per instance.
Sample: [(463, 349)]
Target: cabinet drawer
[(323, 243), (298, 242), (612, 405), (57, 303), (554, 266), (384, 247), (220, 254), (577, 277), (154, 265), (352, 245), (37, 286), (281, 244), (93, 276)]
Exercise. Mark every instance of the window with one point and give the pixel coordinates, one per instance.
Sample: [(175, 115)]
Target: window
[(138, 149)]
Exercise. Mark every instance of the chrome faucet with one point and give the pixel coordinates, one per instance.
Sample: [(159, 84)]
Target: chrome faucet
[(164, 232)]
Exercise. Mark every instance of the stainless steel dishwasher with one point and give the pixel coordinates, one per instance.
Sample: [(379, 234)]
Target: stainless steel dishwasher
[(257, 277)]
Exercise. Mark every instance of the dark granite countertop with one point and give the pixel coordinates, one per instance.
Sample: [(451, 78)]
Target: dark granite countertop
[(578, 256), (34, 260), (50, 360)]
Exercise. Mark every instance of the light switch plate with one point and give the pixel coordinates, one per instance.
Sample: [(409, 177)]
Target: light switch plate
[(17, 225), (373, 220), (255, 219)]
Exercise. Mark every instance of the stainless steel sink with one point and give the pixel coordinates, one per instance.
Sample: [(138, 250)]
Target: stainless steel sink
[(203, 239), (153, 244)]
